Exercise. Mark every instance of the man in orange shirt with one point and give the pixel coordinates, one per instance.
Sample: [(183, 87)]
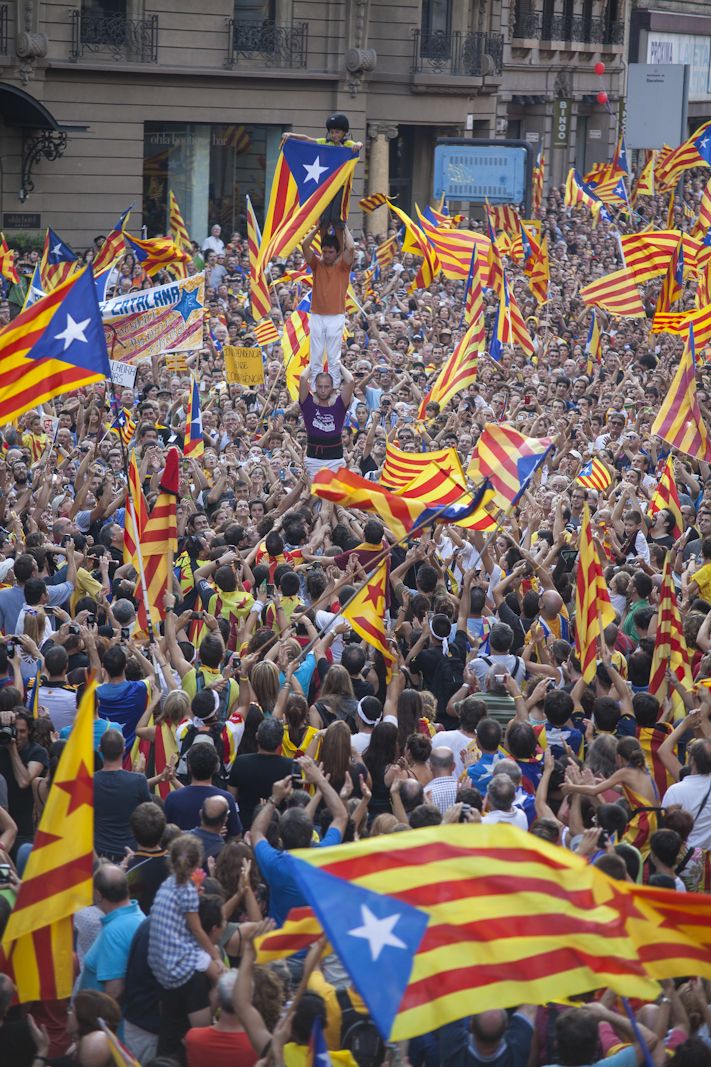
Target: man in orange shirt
[(331, 271)]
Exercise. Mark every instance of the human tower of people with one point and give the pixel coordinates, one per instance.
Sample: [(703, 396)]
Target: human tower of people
[(267, 711)]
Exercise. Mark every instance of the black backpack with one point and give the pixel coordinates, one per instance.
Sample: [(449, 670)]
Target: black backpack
[(359, 1034), (224, 695)]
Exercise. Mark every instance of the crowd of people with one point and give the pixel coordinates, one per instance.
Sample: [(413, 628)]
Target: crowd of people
[(257, 721)]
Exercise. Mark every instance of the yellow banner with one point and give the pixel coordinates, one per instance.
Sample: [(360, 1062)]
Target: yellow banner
[(244, 365)]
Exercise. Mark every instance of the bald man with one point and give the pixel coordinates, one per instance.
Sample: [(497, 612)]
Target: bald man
[(489, 1039), (106, 961), (211, 831)]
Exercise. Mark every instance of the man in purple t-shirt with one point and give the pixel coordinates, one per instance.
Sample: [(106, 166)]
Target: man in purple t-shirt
[(324, 420)]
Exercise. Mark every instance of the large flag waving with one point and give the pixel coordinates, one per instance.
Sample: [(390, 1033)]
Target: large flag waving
[(459, 371), (694, 152), (679, 421), (57, 882), (159, 541), (260, 301), (616, 293), (352, 491), (434, 921), (508, 459), (666, 497), (670, 651), (401, 467), (176, 224), (156, 253), (111, 250), (306, 179), (58, 261), (55, 346), (366, 611), (593, 609)]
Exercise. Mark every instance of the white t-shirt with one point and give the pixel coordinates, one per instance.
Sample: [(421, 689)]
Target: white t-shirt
[(360, 741), (458, 742), (481, 667), (515, 817), (690, 793)]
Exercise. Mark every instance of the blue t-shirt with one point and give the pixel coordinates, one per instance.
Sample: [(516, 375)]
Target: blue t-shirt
[(107, 958), (284, 893), (626, 1057), (100, 728), (303, 674), (123, 702)]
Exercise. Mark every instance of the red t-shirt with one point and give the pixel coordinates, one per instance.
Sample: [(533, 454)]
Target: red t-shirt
[(207, 1047)]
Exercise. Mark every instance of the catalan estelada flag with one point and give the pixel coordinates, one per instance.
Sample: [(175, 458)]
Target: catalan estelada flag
[(400, 467), (33, 695), (159, 542), (156, 253), (474, 300), (35, 291), (176, 224), (349, 489), (538, 182), (673, 285), (259, 299), (295, 344), (679, 421), (594, 475), (266, 333), (123, 426), (647, 254), (366, 612), (37, 945), (509, 326), (455, 248), (7, 262), (135, 505), (644, 185), (703, 221), (666, 497), (193, 444), (112, 249), (617, 293), (593, 345), (447, 501), (430, 922), (458, 371), (299, 931), (306, 179), (670, 651), (56, 346), (578, 194), (373, 202), (593, 609), (694, 152), (58, 261), (508, 459)]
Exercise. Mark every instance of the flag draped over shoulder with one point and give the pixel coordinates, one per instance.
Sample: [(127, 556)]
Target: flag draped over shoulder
[(53, 347), (508, 459), (593, 609), (349, 489), (37, 943), (366, 611), (670, 651), (459, 370), (306, 179), (666, 496), (159, 541), (679, 421), (434, 921)]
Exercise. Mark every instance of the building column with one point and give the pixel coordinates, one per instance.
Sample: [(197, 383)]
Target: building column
[(380, 134)]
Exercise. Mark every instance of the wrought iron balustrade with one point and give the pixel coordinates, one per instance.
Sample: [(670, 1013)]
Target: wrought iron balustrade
[(123, 38), (277, 46), (460, 54)]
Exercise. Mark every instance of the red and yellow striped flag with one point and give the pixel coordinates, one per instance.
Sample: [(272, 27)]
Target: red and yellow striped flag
[(7, 262), (57, 882), (455, 248), (679, 322), (295, 345), (644, 186), (508, 459), (593, 609), (538, 182), (301, 928), (58, 262), (511, 919), (266, 333), (417, 243), (156, 253), (401, 468), (459, 370), (679, 421), (176, 224), (504, 217), (666, 497), (617, 293), (386, 251), (366, 612), (703, 221), (131, 535), (352, 491), (647, 254), (673, 284), (595, 475), (670, 651), (260, 300), (373, 201), (159, 541)]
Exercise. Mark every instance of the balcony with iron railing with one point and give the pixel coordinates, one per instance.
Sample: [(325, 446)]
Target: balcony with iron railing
[(122, 39), (527, 26), (457, 54), (582, 30), (267, 44)]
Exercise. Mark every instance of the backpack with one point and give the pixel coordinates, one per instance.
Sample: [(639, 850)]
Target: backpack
[(490, 663), (359, 1034), (215, 735), (224, 695)]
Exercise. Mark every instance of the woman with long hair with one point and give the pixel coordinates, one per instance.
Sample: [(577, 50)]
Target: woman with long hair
[(411, 717), (299, 734), (336, 699), (252, 719), (336, 757), (264, 679), (90, 1044), (380, 758), (156, 747)]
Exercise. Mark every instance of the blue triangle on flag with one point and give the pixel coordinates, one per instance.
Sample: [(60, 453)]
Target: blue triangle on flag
[(75, 333), (376, 937), (313, 164)]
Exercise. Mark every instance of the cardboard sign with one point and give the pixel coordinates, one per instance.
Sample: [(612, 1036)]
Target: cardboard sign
[(50, 425), (244, 365), (123, 373)]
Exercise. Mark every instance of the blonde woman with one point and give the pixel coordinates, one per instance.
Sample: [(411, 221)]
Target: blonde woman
[(156, 747)]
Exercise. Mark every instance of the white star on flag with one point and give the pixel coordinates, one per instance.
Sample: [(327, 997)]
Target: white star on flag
[(57, 250), (314, 170), (73, 331), (377, 932)]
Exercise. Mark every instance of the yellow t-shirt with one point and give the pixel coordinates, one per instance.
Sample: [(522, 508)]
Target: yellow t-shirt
[(210, 677), (299, 1056), (86, 585), (702, 577), (332, 1030)]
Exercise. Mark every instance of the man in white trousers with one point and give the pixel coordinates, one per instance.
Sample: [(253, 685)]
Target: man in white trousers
[(331, 271)]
